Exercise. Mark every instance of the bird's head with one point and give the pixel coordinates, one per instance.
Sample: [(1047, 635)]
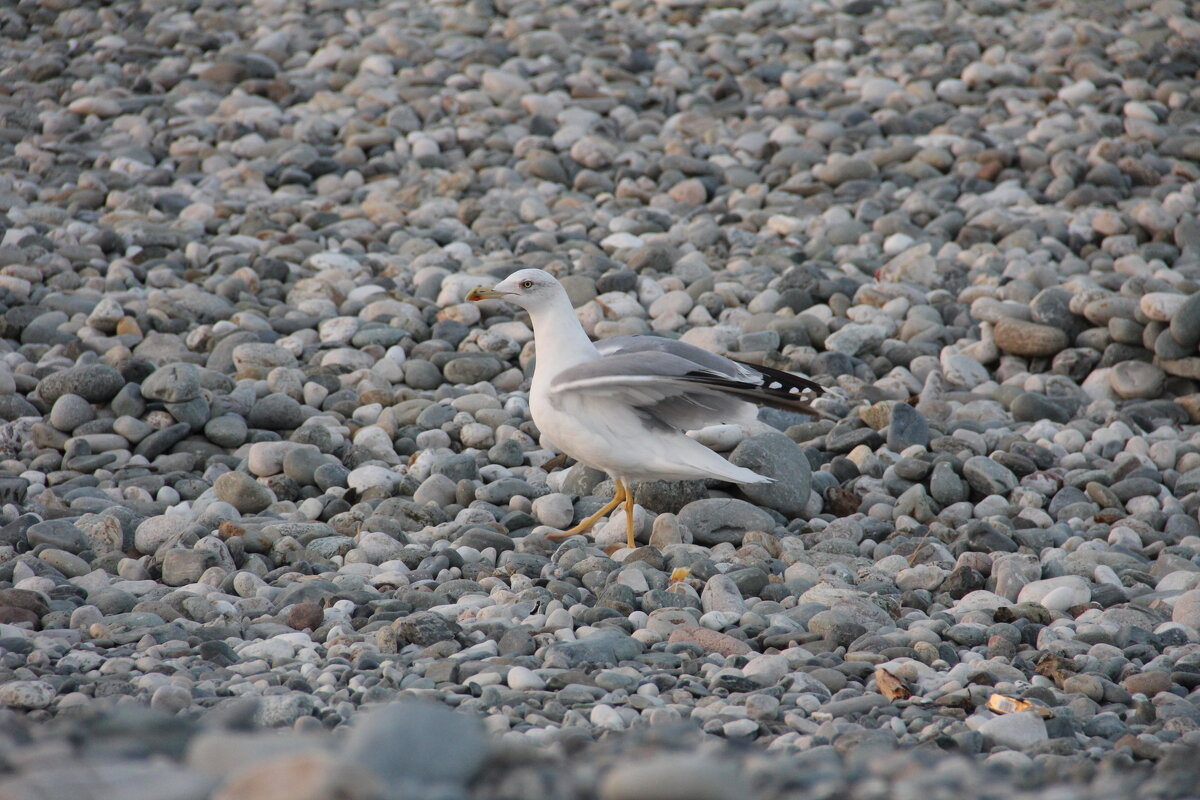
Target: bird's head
[(527, 288)]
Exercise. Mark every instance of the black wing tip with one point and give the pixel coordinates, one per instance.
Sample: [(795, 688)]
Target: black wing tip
[(784, 399), (785, 380), (779, 389)]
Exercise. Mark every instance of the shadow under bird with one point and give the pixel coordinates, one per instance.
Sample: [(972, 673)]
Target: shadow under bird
[(623, 404)]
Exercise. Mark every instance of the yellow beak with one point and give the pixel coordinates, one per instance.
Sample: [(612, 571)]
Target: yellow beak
[(480, 293)]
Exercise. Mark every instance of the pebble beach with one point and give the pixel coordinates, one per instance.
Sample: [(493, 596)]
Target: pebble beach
[(273, 510)]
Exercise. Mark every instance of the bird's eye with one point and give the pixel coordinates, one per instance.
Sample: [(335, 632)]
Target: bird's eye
[(526, 284)]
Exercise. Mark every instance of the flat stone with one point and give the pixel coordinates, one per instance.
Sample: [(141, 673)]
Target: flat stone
[(96, 383), (161, 441), (1015, 731), (61, 534), (709, 640), (1148, 682), (674, 777), (242, 492), (1034, 406), (987, 477), (716, 520), (1023, 338), (607, 647)]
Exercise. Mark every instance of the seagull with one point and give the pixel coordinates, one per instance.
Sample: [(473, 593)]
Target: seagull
[(624, 405)]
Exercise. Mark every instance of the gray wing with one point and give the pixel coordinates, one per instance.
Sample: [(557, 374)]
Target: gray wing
[(702, 358), (656, 387), (675, 391), (776, 388)]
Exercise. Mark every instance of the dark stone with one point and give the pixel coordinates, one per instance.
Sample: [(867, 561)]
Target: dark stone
[(962, 581), (305, 616), (160, 442), (1185, 325), (58, 533), (908, 427), (847, 435), (668, 497), (96, 383), (1033, 406), (775, 456), (425, 628)]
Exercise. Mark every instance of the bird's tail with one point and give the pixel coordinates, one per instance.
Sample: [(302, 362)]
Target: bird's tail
[(716, 466)]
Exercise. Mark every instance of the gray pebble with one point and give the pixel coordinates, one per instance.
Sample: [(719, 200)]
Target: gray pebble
[(242, 492), (415, 741), (775, 456), (275, 412), (228, 430), (173, 383), (70, 411), (717, 520), (987, 477), (96, 383)]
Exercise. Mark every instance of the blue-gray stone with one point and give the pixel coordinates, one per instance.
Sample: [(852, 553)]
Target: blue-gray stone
[(276, 412), (416, 741), (160, 442), (330, 475), (908, 427), (435, 416), (227, 430), (1185, 325), (987, 477), (722, 519), (193, 413), (96, 383), (607, 647), (1033, 407), (774, 455), (128, 402), (58, 533), (945, 486), (173, 383)]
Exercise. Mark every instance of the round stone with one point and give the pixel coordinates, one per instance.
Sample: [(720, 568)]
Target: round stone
[(70, 411), (1137, 379), (242, 492), (276, 412), (173, 383), (228, 430), (26, 695)]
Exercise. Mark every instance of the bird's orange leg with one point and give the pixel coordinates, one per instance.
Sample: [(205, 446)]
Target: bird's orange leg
[(629, 519), (586, 525)]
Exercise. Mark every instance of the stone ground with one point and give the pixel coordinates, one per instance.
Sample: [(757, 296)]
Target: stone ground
[(274, 509)]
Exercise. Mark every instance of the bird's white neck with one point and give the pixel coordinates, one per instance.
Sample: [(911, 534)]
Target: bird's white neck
[(561, 341)]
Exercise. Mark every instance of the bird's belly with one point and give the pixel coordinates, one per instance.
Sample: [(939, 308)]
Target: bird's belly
[(610, 445), (613, 439)]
